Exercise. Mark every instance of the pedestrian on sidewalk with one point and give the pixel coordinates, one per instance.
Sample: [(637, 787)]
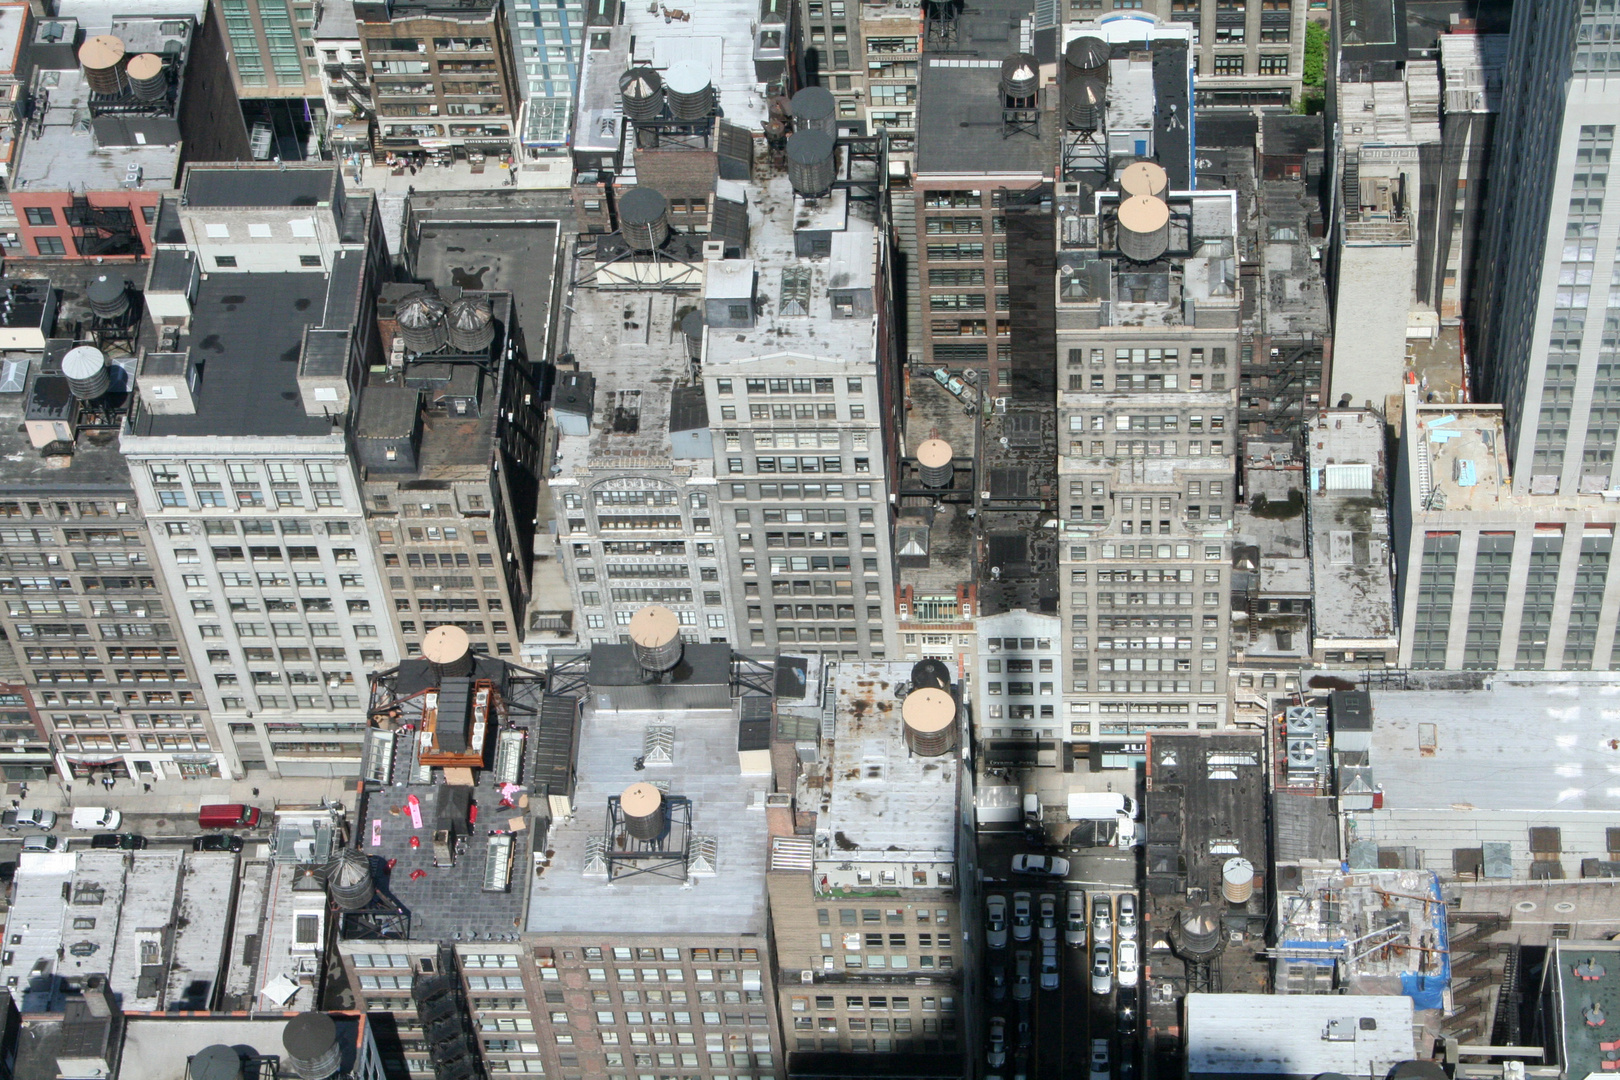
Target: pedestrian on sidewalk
[(148, 788), (255, 793)]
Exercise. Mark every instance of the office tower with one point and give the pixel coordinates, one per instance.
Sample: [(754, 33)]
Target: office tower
[(611, 917), (448, 441), (547, 41), (1546, 333), (442, 75), (90, 629), (976, 147), (261, 303), (1148, 333), (737, 401), (267, 53), (1492, 577), (864, 896)]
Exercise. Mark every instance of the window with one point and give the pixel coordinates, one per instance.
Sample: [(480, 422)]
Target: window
[(49, 245), (225, 262), (40, 215), (1229, 65), (1274, 65)]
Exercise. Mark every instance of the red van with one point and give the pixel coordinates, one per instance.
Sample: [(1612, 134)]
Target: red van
[(228, 816)]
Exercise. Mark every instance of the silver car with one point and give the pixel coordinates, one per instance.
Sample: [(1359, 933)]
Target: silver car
[(1102, 969), (1046, 927), (1127, 916), (995, 921), (1021, 984), (1023, 922), (1074, 928), (1049, 965)]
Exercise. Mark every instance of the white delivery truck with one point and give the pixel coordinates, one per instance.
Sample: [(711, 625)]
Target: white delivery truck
[(1110, 807)]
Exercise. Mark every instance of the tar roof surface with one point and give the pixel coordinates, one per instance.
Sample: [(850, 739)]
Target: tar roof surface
[(513, 251), (206, 186), (959, 122), (448, 903), (1283, 1035), (705, 770), (246, 328)]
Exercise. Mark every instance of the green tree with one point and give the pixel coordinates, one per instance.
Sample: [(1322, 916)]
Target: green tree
[(1314, 74)]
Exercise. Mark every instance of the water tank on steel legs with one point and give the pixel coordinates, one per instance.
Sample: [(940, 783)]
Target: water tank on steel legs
[(108, 296), (642, 91), (147, 79), (217, 1062), (449, 651), (928, 722), (931, 674), (1144, 228), (421, 322), (1085, 99), (311, 1042), (1088, 56), (814, 109), (1020, 77), (102, 58), (688, 90), (86, 371), (812, 163), (655, 638), (692, 330), (644, 218), (471, 324), (1144, 177), (349, 881), (643, 809), (934, 463)]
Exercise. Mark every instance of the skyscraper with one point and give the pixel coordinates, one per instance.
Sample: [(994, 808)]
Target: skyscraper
[(1546, 325)]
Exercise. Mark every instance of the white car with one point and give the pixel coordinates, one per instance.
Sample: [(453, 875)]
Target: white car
[(1022, 922), (995, 921), (1046, 925), (1051, 865), (1127, 962), (1074, 929), (996, 1055), (96, 819)]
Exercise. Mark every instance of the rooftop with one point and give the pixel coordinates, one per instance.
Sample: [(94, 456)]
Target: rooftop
[(247, 330), (1587, 977), (64, 148), (157, 1047), (154, 922), (1385, 929), (251, 185), (445, 886), (96, 16), (507, 250), (959, 116), (13, 20), (632, 345), (933, 412), (335, 21), (570, 895), (875, 799), (1471, 65), (774, 213), (1349, 519), (1158, 98), (1296, 1036)]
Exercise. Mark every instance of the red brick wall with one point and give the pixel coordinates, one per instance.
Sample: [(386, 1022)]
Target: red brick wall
[(58, 202)]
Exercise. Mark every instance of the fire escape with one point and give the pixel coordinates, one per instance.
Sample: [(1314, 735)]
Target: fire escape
[(103, 230)]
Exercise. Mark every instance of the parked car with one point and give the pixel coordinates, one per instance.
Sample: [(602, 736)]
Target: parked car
[(43, 842), (1047, 926), (1127, 962), (998, 983), (1099, 1059), (27, 818), (217, 842), (1102, 918), (1022, 922), (1102, 969), (1126, 1025), (1049, 965), (118, 841), (1021, 984), (96, 819), (1050, 865), (227, 816), (995, 921), (1127, 915), (1074, 928), (996, 1054)]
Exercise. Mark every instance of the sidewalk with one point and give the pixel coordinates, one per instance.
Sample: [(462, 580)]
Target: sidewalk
[(175, 797)]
